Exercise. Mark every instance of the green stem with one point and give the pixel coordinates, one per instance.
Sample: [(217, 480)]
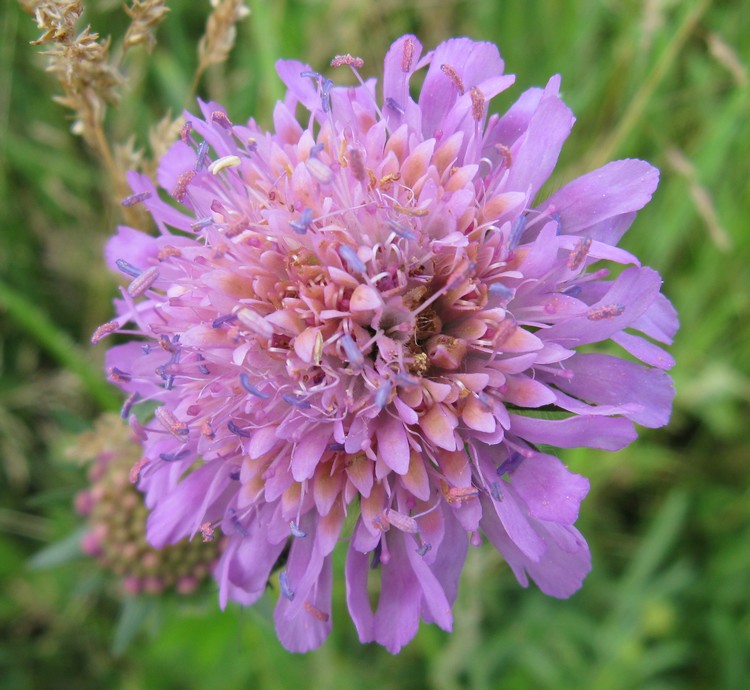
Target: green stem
[(58, 344)]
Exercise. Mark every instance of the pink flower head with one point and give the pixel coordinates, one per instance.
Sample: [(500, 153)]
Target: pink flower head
[(352, 323)]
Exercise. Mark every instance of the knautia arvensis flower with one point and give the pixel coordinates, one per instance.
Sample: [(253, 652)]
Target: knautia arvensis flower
[(353, 321), (116, 516)]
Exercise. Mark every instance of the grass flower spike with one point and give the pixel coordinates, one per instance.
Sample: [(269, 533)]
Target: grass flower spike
[(354, 328)]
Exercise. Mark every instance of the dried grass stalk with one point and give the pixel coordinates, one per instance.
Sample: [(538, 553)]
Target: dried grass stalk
[(221, 32), (145, 16), (161, 136)]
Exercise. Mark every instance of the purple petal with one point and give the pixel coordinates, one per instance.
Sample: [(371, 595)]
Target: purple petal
[(644, 350), (400, 63), (512, 514), (303, 89), (246, 565), (559, 573), (393, 445), (607, 380), (449, 557), (549, 489), (308, 452), (535, 152), (473, 62), (177, 160), (134, 246), (309, 627), (612, 190), (397, 618), (434, 599), (180, 513), (660, 321), (632, 293), (357, 599), (607, 433)]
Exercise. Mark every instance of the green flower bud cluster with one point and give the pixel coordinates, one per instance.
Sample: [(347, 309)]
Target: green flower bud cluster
[(117, 518)]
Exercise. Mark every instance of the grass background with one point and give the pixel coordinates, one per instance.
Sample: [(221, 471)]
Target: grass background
[(668, 519)]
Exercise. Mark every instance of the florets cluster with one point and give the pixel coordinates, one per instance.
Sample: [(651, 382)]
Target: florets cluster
[(360, 315), (116, 516)]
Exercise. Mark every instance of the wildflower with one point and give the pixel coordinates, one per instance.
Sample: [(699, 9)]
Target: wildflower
[(116, 515), (362, 315)]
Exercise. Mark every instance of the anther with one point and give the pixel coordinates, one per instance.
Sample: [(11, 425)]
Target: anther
[(296, 402), (502, 291), (128, 405), (119, 376), (495, 491), (456, 493), (325, 95), (173, 425), (220, 118), (402, 522), (168, 252), (171, 346), (296, 531), (315, 612), (357, 162), (352, 352), (394, 105), (143, 282), (579, 253), (255, 322), (237, 431), (104, 330), (477, 103), (286, 589), (174, 457), (207, 430), (181, 188), (319, 170), (128, 268), (300, 226), (383, 394), (245, 381), (241, 529), (451, 73), (134, 199), (201, 223), (517, 230), (200, 158), (224, 162), (422, 550), (608, 311), (408, 55), (207, 532), (135, 471), (505, 153), (350, 60), (221, 320), (510, 464), (400, 230), (350, 256), (185, 131)]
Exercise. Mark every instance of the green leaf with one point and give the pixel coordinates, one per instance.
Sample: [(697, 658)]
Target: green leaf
[(59, 552), (133, 617)]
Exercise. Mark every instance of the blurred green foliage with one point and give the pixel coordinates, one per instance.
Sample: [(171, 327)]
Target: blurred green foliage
[(668, 519)]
